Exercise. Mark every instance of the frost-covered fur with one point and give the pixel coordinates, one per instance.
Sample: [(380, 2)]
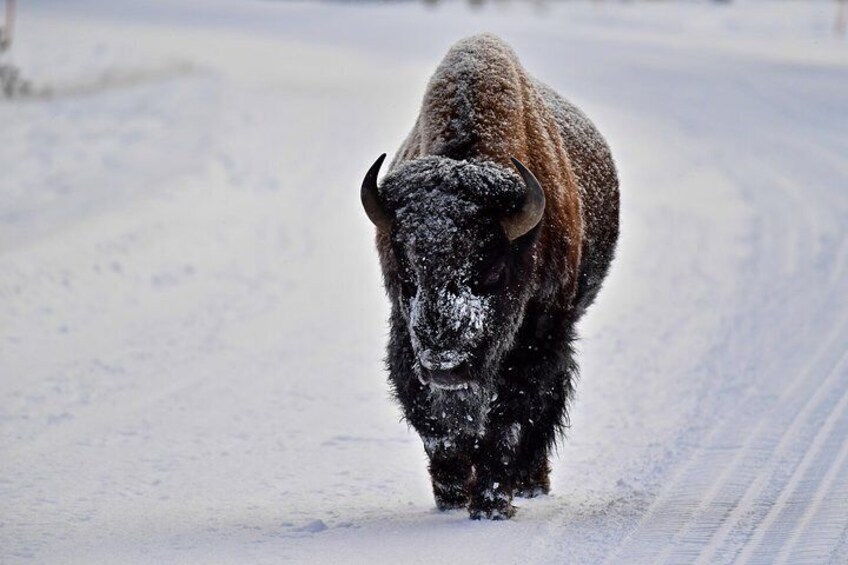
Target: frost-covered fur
[(463, 295)]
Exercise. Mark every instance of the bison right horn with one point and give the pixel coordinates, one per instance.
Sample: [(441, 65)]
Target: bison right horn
[(530, 214), (371, 198)]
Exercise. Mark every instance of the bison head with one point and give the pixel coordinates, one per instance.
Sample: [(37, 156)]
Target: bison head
[(457, 249)]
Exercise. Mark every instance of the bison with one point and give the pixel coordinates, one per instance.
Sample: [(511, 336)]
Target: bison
[(496, 225)]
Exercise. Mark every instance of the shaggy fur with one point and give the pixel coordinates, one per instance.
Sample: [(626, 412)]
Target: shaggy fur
[(461, 292)]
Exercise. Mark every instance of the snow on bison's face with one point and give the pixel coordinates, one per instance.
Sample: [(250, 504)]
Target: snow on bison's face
[(457, 256)]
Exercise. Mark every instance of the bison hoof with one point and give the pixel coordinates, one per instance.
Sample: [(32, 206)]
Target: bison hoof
[(532, 491), (504, 512), (492, 506)]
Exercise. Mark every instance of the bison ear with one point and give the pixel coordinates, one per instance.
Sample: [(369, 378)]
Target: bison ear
[(371, 198), (530, 214)]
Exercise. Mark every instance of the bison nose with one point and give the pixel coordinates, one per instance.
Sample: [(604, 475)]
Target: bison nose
[(433, 360)]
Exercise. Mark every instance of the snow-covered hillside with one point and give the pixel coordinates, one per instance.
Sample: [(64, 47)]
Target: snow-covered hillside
[(192, 323)]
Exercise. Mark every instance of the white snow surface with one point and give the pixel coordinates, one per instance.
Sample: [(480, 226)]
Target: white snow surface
[(192, 322)]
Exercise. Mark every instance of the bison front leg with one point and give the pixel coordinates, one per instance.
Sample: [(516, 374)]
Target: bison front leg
[(533, 473), (491, 496), (534, 440), (495, 469), (450, 472), (516, 464)]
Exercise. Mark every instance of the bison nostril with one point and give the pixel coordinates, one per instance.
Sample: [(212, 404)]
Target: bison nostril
[(453, 371)]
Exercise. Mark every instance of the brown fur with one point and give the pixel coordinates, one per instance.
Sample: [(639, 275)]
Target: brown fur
[(508, 118)]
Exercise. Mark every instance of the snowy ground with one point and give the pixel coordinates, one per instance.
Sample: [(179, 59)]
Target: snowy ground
[(192, 325)]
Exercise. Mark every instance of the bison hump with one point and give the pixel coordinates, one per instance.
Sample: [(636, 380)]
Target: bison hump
[(478, 103)]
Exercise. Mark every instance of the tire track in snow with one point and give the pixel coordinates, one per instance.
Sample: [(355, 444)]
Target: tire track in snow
[(826, 511), (682, 527), (745, 521), (785, 487)]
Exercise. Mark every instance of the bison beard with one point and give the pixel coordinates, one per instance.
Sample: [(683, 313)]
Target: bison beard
[(488, 267)]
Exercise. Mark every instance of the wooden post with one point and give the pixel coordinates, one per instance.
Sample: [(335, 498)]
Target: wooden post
[(8, 29), (841, 18)]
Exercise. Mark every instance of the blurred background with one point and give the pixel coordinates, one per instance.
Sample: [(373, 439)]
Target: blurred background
[(192, 322)]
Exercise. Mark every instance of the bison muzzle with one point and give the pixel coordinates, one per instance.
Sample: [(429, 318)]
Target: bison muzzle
[(496, 225)]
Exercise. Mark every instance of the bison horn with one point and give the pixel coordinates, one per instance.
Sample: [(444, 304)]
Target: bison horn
[(371, 199), (530, 214)]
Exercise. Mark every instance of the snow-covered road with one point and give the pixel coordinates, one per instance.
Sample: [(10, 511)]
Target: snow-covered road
[(192, 323)]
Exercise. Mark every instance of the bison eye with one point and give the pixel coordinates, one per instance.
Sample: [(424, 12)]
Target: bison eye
[(493, 278), (408, 288)]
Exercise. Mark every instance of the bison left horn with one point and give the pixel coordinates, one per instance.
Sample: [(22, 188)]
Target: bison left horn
[(530, 214), (371, 198)]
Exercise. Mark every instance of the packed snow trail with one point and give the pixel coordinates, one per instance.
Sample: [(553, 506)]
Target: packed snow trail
[(191, 318)]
